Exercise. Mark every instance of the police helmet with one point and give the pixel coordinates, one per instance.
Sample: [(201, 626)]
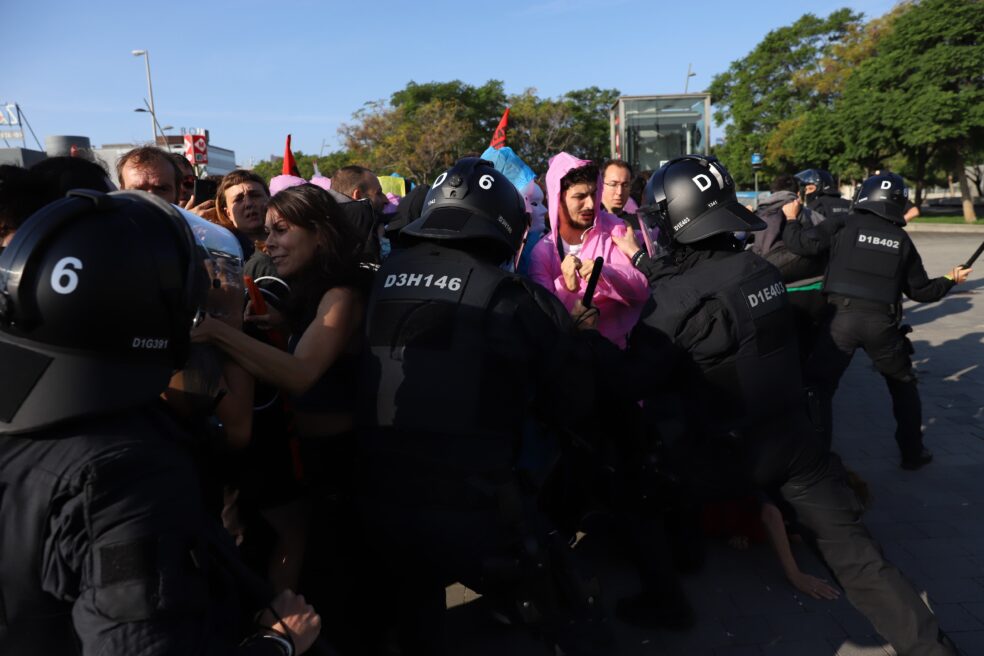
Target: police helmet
[(473, 202), (823, 181), (884, 194), (98, 295), (691, 198)]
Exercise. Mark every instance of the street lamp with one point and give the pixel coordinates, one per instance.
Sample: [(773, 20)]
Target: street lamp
[(686, 85), (150, 90)]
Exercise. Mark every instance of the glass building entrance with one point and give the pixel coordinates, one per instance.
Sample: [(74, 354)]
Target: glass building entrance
[(648, 131)]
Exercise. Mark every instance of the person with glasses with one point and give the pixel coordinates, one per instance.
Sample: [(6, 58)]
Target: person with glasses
[(616, 177)]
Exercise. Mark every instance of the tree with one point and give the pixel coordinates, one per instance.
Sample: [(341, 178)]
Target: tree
[(328, 164), (774, 83), (480, 108), (922, 93), (417, 144), (539, 129), (589, 110)]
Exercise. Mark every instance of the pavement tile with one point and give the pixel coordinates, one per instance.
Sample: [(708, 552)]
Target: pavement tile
[(930, 522), (954, 617), (956, 590), (970, 643)]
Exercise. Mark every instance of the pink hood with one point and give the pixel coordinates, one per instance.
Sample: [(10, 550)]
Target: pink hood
[(622, 289)]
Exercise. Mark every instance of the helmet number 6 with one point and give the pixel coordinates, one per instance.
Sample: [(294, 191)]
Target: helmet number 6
[(64, 278), (485, 182)]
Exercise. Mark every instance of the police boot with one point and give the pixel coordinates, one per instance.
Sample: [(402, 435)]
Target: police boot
[(912, 463)]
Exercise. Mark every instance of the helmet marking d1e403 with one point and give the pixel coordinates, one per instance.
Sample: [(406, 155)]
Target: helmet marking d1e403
[(473, 201), (98, 295), (691, 198)]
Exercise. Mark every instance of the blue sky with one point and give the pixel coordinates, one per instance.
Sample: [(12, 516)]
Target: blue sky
[(253, 71)]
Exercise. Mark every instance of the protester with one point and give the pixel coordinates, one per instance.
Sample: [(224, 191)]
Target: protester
[(802, 275), (581, 231), (240, 206), (314, 251), (16, 201), (616, 177), (358, 191), (105, 545), (149, 169)]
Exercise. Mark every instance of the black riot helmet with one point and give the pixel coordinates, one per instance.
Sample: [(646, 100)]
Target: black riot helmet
[(474, 202), (691, 198), (884, 194), (98, 295), (823, 181)]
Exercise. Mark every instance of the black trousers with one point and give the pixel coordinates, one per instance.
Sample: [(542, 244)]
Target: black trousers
[(853, 324), (788, 452), (426, 527)]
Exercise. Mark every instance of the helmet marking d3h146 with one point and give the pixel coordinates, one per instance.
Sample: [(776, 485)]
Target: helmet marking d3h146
[(473, 201), (691, 198), (98, 295)]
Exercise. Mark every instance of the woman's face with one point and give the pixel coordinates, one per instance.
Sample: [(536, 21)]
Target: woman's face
[(290, 246)]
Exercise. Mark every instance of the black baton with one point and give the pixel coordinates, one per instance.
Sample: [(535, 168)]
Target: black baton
[(969, 263), (589, 291)]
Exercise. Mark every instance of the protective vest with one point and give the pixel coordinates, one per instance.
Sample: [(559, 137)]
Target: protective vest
[(426, 327), (140, 575), (758, 376), (830, 206), (866, 259)]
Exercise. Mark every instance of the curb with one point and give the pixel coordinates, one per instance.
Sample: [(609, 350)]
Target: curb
[(944, 227)]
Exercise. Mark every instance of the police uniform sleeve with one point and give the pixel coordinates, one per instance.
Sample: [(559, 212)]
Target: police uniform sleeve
[(127, 546), (811, 241), (559, 361), (917, 284)]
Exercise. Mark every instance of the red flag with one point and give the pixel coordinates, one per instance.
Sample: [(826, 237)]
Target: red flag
[(499, 138), (290, 166)]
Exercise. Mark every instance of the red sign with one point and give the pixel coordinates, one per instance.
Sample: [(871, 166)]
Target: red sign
[(196, 148)]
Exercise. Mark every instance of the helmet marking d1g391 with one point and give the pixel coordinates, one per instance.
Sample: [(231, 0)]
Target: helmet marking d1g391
[(691, 198), (98, 295), (473, 202)]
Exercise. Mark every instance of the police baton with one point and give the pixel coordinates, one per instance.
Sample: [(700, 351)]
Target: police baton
[(589, 291), (969, 263)]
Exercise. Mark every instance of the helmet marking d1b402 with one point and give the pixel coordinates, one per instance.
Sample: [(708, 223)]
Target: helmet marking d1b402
[(473, 201), (692, 197), (98, 295), (885, 195)]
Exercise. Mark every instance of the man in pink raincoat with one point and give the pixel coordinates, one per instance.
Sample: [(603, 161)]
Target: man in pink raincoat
[(580, 231)]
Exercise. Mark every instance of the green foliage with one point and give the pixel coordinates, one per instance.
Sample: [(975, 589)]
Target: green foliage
[(268, 169), (480, 108), (903, 91), (771, 85), (589, 114)]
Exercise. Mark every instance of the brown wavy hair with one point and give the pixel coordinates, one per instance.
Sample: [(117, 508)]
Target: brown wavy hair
[(337, 259)]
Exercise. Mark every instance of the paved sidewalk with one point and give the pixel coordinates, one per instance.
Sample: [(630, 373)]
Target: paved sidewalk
[(930, 522)]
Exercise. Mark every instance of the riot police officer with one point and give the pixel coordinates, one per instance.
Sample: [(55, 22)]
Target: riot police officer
[(725, 311), (105, 546), (820, 194), (466, 358), (872, 263)]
